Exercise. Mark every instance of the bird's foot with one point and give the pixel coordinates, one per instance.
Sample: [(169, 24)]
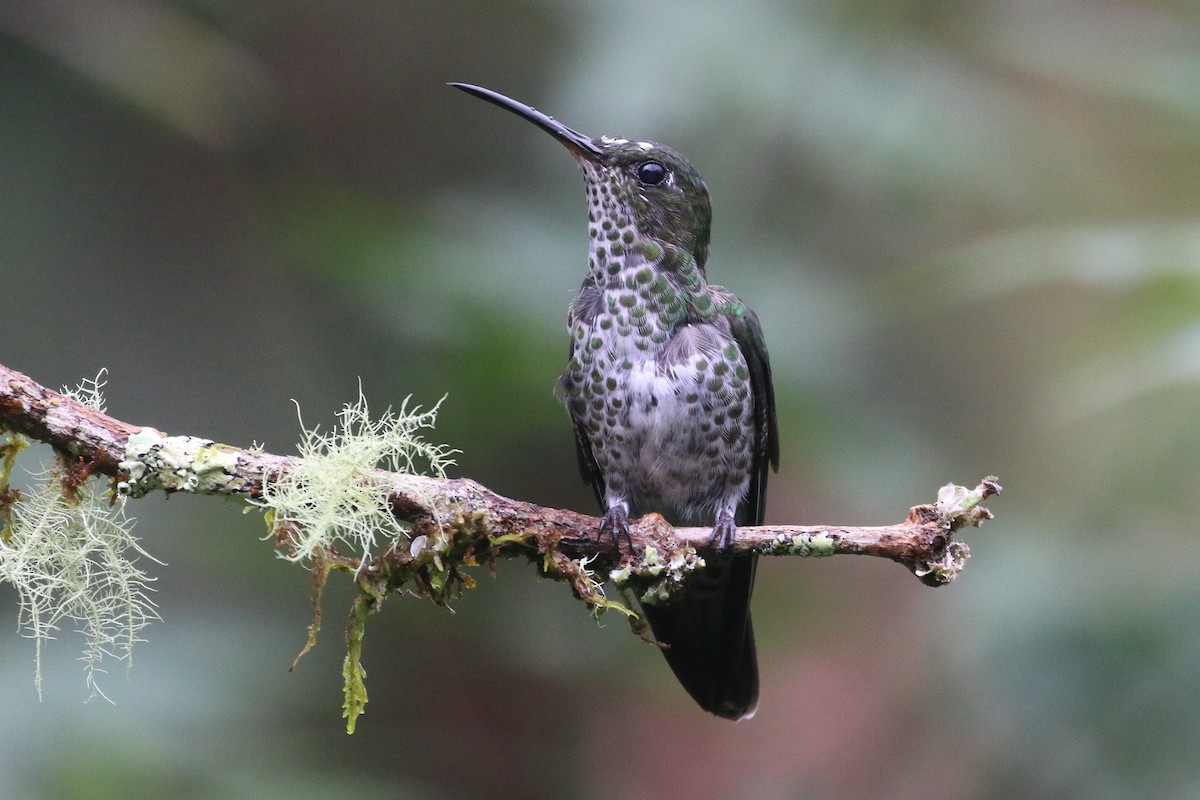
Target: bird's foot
[(615, 523), (724, 532)]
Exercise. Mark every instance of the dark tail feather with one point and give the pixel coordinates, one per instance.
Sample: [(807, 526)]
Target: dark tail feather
[(711, 637)]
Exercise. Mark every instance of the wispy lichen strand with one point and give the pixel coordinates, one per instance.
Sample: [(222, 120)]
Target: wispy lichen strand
[(73, 563), (333, 497), (90, 391), (71, 557)]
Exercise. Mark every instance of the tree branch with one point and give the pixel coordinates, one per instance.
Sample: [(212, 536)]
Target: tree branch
[(468, 519)]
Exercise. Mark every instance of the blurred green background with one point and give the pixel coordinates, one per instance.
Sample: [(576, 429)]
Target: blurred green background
[(971, 231)]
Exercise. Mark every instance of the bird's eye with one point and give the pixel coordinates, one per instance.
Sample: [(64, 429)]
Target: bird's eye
[(651, 173)]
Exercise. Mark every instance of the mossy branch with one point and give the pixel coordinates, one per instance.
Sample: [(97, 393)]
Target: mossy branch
[(334, 508), (471, 516)]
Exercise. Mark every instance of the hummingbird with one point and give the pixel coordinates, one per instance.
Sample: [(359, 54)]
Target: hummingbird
[(668, 387)]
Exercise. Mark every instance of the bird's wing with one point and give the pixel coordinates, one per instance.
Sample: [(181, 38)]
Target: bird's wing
[(747, 332)]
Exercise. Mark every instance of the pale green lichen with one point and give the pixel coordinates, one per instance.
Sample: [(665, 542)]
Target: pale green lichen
[(658, 577), (946, 569), (70, 555), (90, 392), (73, 563), (805, 545), (960, 506), (334, 496), (334, 500), (154, 460)]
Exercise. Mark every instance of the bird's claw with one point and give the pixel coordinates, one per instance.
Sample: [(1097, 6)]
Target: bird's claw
[(615, 523), (724, 532)]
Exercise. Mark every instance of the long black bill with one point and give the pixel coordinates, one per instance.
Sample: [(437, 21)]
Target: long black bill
[(575, 141)]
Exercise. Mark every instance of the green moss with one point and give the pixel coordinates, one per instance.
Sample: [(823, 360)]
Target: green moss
[(354, 686)]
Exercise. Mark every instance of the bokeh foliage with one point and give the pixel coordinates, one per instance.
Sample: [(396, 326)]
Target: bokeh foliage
[(971, 231)]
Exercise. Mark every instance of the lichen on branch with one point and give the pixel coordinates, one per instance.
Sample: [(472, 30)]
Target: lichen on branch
[(351, 502), (67, 548), (335, 495)]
